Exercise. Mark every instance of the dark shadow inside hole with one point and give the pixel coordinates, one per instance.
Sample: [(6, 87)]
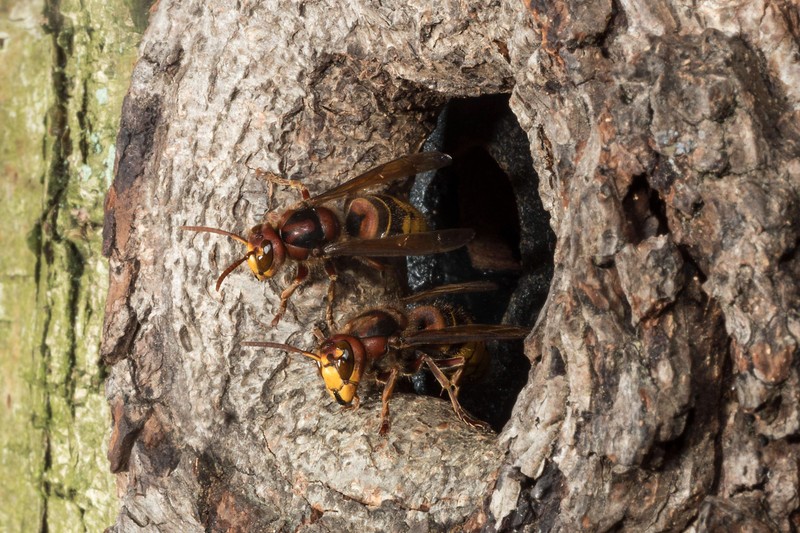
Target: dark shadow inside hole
[(492, 188), (486, 203), (646, 211)]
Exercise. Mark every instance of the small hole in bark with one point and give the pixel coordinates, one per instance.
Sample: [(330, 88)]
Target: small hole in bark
[(492, 188), (646, 210), (771, 409), (692, 266), (789, 255)]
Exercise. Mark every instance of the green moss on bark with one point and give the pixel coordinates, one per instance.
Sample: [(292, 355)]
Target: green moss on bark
[(66, 66)]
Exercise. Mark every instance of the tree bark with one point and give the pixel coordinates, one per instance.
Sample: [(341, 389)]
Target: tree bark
[(663, 391)]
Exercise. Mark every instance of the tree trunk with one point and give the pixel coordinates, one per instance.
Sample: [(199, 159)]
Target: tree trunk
[(64, 67), (663, 392)]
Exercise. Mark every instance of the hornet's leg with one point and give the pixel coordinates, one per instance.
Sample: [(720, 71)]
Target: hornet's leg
[(302, 274), (318, 334), (456, 363), (452, 391), (273, 179), (374, 263), (387, 393), (330, 270), (451, 363)]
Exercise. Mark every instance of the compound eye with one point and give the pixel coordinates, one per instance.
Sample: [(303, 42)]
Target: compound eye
[(264, 257), (343, 360)]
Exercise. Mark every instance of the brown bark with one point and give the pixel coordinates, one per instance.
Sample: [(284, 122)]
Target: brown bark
[(663, 393)]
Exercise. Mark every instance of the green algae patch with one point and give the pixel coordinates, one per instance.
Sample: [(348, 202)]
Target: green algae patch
[(66, 68), (24, 101)]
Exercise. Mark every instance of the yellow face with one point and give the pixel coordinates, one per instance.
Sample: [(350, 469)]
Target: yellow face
[(260, 259), (337, 367), (265, 251)]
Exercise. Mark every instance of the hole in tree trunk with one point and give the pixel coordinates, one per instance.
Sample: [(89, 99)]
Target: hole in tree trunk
[(492, 188)]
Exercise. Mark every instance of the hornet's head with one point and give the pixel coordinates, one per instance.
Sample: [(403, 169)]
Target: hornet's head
[(340, 360), (341, 364), (265, 250)]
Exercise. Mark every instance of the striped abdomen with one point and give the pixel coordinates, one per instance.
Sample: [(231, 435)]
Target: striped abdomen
[(380, 215), (439, 316)]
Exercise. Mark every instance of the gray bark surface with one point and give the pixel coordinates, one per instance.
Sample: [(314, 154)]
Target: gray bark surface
[(664, 387)]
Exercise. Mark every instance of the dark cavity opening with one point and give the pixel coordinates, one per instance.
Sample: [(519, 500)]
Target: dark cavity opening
[(492, 188), (646, 210)]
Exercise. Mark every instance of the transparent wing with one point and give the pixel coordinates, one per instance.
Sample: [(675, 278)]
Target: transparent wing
[(459, 334), (453, 288), (430, 242), (386, 173)]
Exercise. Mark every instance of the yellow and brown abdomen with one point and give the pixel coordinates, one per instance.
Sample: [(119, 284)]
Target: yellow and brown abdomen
[(437, 316), (379, 215)]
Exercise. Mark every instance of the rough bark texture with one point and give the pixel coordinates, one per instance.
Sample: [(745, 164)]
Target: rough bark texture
[(664, 389), (65, 69)]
